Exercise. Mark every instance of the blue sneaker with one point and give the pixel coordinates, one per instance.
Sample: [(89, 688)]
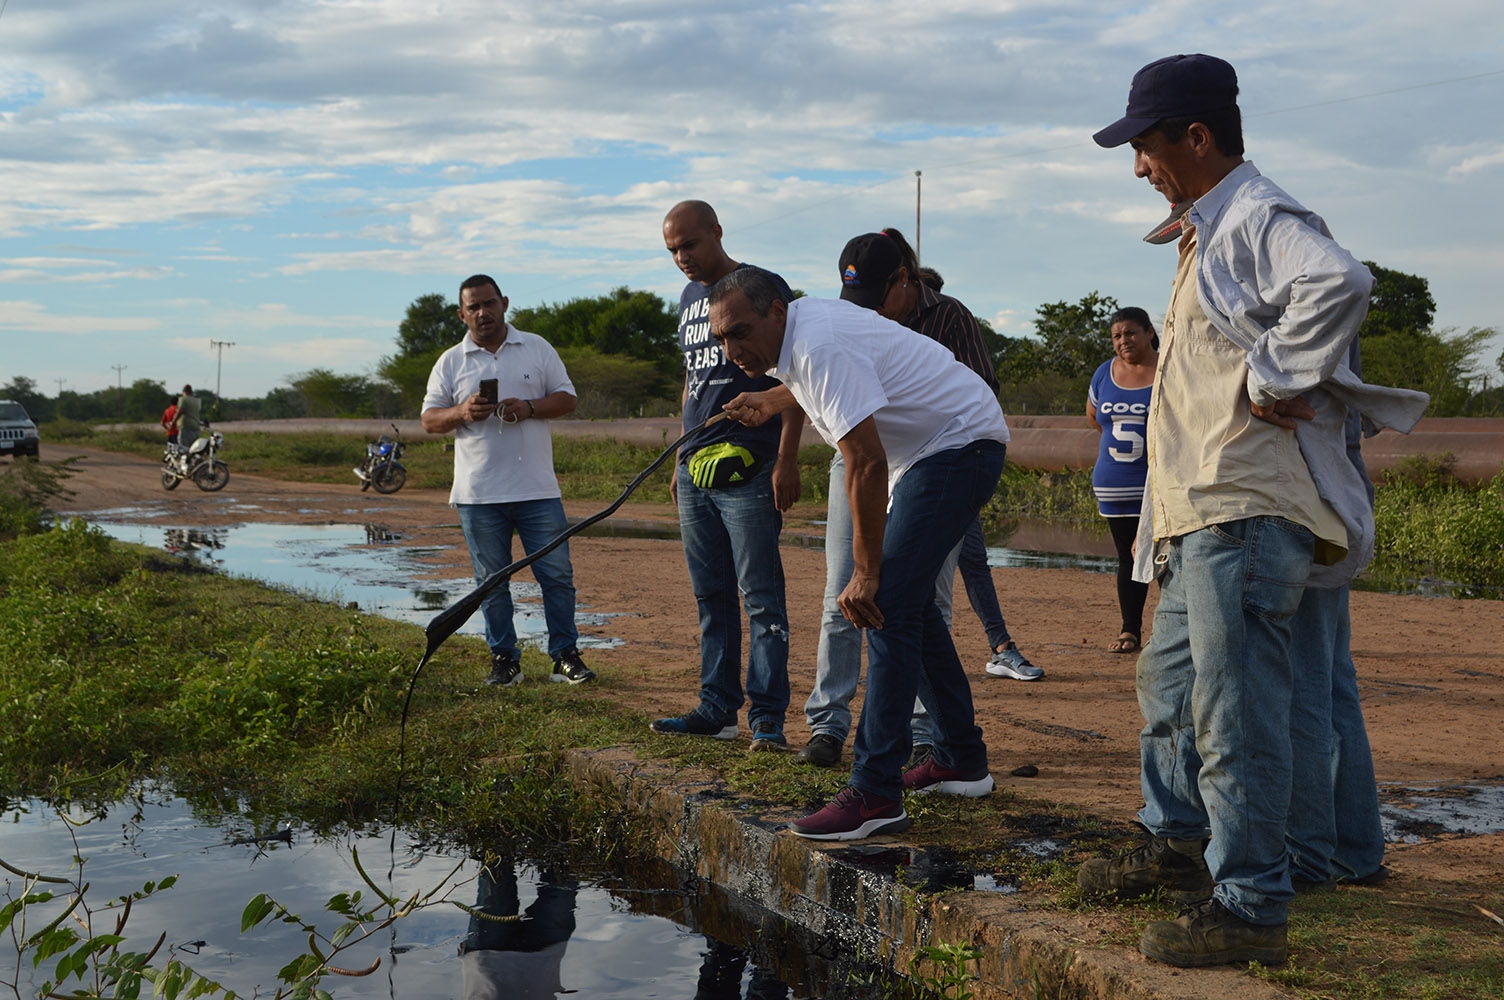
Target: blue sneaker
[(767, 735), (694, 724), (1012, 663)]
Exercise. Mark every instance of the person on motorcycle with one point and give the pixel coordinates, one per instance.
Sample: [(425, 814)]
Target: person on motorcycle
[(189, 420), (169, 415), (504, 471)]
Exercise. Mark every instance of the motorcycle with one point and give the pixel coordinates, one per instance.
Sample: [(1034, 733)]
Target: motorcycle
[(381, 468), (197, 463)]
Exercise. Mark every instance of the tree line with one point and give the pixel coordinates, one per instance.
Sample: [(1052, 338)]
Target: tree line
[(622, 353)]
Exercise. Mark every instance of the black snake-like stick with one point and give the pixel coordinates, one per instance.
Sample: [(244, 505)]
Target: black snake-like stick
[(448, 621)]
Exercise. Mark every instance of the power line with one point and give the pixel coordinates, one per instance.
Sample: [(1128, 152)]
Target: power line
[(1045, 151)]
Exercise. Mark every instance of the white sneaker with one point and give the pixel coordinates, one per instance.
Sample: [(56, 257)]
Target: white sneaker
[(1012, 663)]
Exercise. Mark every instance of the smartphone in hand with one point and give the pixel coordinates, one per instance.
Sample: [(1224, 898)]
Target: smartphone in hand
[(488, 390)]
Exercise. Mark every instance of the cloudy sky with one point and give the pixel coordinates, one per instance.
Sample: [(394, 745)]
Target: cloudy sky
[(288, 175)]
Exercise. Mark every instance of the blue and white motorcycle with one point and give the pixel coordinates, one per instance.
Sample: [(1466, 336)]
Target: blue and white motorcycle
[(381, 468)]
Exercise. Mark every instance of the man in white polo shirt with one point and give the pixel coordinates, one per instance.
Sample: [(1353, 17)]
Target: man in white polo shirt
[(495, 390), (923, 439)]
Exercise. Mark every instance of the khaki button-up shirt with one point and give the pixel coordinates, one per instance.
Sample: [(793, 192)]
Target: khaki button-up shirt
[(1210, 459)]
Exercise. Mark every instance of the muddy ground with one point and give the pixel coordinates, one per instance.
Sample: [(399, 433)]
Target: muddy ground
[(1431, 670)]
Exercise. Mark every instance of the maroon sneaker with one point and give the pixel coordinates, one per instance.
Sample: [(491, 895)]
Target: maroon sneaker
[(929, 776), (852, 815)]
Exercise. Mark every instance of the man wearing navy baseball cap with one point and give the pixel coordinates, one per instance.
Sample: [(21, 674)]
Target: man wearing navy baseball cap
[(1253, 493)]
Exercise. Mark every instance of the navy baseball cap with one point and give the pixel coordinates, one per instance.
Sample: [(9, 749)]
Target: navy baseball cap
[(866, 265), (1173, 87)]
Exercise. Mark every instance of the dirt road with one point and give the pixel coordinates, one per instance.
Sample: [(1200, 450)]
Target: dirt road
[(1431, 671)]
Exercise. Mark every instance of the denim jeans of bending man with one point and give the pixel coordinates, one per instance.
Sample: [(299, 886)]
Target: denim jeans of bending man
[(1334, 830), (731, 549), (930, 508), (1214, 685), (838, 651), (488, 529)]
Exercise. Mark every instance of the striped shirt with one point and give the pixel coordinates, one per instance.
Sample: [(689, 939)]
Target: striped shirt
[(945, 320)]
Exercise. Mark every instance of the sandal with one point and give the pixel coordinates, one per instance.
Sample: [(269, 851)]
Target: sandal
[(1125, 643)]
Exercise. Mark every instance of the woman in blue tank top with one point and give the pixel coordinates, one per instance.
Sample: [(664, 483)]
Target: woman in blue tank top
[(1118, 406)]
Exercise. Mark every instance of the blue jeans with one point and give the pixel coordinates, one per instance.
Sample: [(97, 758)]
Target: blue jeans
[(1214, 685), (1334, 830), (928, 513), (981, 593), (488, 529), (731, 548), (838, 652)]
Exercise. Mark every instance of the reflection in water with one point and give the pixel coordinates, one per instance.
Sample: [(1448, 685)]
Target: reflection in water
[(377, 534), (504, 956), (184, 540), (347, 563), (721, 976), (602, 934)]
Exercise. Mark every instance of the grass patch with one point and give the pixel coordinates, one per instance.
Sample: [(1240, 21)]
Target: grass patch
[(120, 655), (1429, 525), (588, 468), (247, 696)]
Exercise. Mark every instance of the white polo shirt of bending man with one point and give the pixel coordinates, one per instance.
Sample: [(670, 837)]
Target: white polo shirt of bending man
[(496, 462), (844, 364)]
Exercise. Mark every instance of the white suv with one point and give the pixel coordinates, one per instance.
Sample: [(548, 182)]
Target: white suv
[(18, 435)]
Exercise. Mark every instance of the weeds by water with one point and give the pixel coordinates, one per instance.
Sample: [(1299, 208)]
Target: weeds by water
[(1430, 525), (119, 655), (587, 468)]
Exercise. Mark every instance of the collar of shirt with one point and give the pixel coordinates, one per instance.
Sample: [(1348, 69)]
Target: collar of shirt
[(786, 350), (511, 338), (928, 299), (1208, 209)]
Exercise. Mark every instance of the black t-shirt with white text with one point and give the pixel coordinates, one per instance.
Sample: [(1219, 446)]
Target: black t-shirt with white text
[(712, 381)]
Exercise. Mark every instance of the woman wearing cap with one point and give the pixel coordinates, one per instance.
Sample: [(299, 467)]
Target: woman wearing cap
[(879, 271), (1117, 405), (913, 299)]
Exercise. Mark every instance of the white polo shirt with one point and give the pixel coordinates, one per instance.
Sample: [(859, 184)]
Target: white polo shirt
[(844, 364), (496, 462)]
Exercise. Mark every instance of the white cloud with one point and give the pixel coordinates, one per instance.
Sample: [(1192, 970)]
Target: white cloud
[(34, 317), (359, 152)]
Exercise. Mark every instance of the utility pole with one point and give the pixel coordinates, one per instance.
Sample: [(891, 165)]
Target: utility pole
[(220, 346), (59, 380), (120, 392), (918, 182)]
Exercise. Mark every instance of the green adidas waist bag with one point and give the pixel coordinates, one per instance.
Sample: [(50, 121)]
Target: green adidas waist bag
[(719, 466)]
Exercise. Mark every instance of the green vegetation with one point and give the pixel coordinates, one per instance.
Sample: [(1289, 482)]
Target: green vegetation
[(1051, 371), (588, 468), (117, 657), (1430, 525), (621, 349)]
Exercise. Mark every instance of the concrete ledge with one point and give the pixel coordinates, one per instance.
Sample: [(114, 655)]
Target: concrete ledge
[(1028, 950)]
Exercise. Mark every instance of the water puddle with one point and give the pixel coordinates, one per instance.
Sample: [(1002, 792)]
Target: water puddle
[(1032, 545), (1413, 814), (584, 932), (347, 564)]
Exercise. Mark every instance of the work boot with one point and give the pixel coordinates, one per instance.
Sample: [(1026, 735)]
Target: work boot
[(1208, 933), (1179, 866), (822, 750)]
